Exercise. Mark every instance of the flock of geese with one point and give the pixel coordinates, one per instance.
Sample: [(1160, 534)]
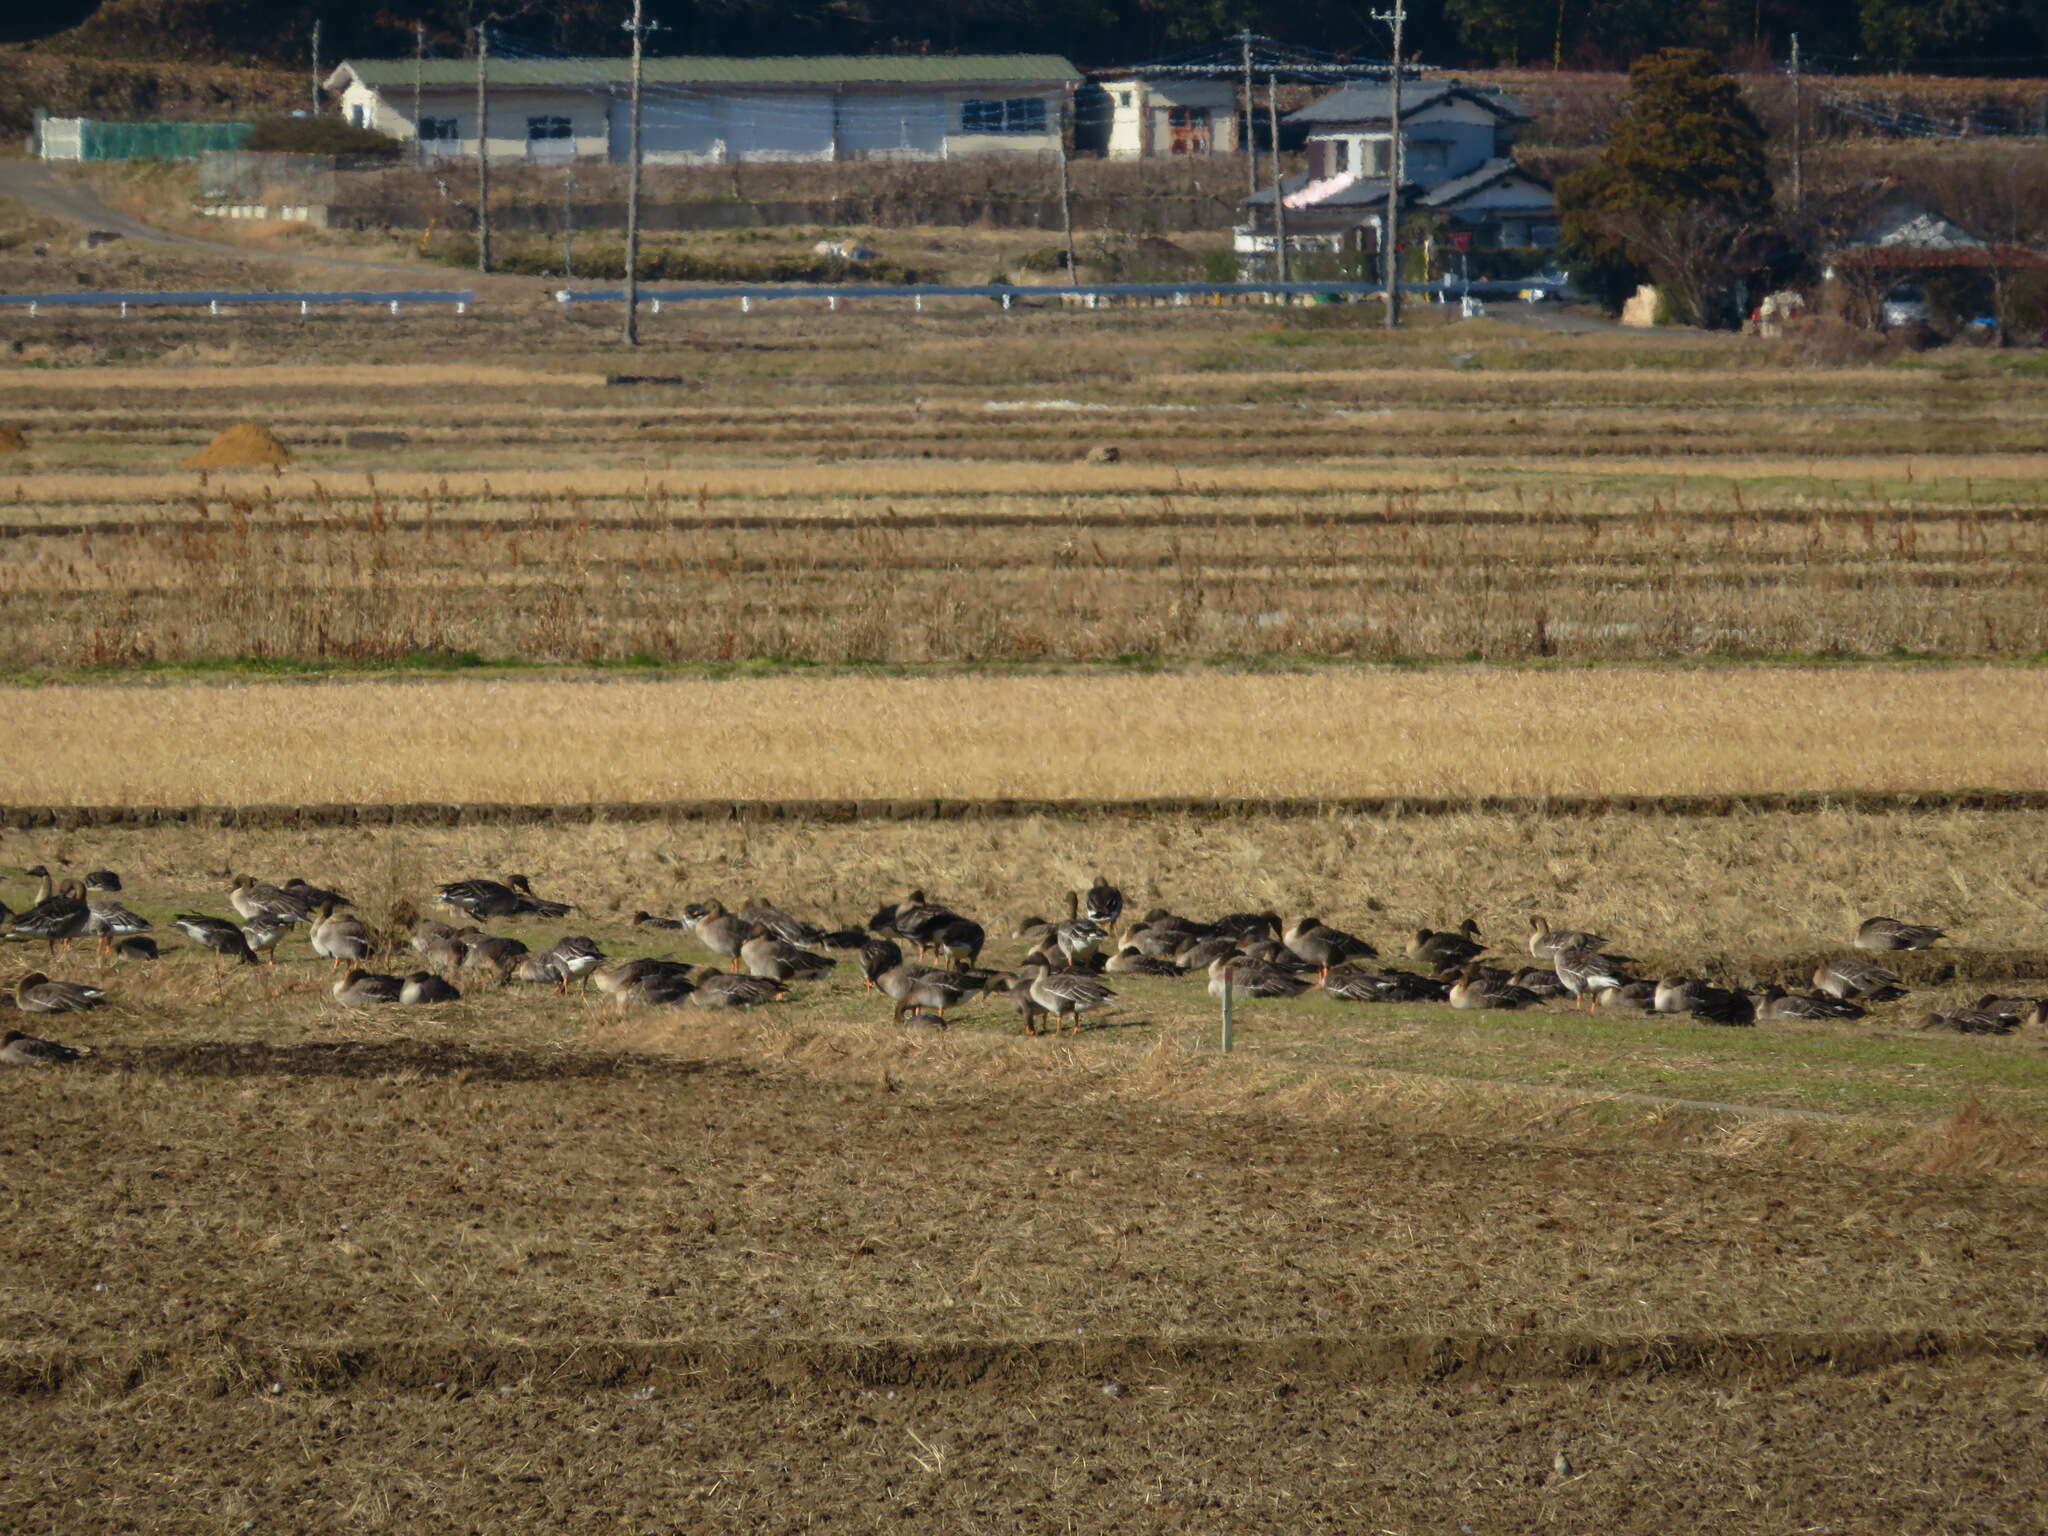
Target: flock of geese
[(925, 958)]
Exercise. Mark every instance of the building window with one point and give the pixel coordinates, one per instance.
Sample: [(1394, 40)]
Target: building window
[(438, 130), (1123, 98), (539, 128), (1019, 114), (1425, 157), (358, 116), (1340, 156)]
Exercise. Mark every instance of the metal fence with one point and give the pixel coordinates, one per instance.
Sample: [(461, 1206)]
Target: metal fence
[(215, 302), (87, 138), (1089, 295)]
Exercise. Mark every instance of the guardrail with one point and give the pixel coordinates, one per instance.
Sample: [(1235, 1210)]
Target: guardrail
[(215, 301), (1089, 294)]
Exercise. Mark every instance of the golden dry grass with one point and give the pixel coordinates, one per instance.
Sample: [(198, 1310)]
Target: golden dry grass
[(1086, 736)]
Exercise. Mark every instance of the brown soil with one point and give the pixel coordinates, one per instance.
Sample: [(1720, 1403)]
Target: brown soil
[(245, 445), (397, 1283), (12, 440)]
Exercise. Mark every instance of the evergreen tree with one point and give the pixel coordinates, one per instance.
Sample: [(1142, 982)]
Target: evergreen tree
[(1685, 141)]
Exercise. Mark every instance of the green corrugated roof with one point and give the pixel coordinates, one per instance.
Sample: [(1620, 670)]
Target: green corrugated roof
[(826, 69)]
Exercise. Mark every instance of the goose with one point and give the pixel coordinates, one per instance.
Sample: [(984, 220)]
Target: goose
[(643, 981), (444, 953), (313, 897), (109, 920), (1160, 941), (423, 987), (1545, 941), (1971, 1021), (1065, 995), (1631, 997), (1034, 931), (1776, 1004), (915, 990), (574, 956), (1131, 961), (1469, 991), (138, 946), (1854, 979), (720, 989), (217, 934), (60, 914), (511, 897), (252, 898), (1453, 948), (1721, 1005), (358, 988), (1272, 952), (263, 935), (37, 993), (779, 924), (340, 937), (20, 1050), (1312, 940), (649, 920), (1248, 977), (1542, 980), (2018, 1007), (102, 880), (954, 942), (1583, 970), (1356, 984), (1890, 933), (1077, 935), (717, 930), (1105, 903), (780, 960), (491, 954), (538, 968), (1200, 954), (1677, 994), (877, 956), (426, 932), (1248, 925)]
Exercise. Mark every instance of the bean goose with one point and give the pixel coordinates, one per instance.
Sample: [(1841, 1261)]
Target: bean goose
[(914, 989), (358, 988), (718, 930), (1131, 961), (1247, 977), (1063, 995), (767, 955), (1854, 979), (37, 993), (423, 987), (224, 938), (1454, 948), (511, 897), (1469, 991), (721, 989), (60, 914), (263, 935), (1545, 941), (1583, 970), (1105, 903), (1776, 1004), (1890, 933), (20, 1050), (340, 937), (1314, 942)]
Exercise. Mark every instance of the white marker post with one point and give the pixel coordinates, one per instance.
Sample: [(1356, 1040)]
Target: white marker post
[(1226, 1012)]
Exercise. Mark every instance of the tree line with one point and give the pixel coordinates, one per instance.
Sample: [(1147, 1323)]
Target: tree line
[(1973, 37)]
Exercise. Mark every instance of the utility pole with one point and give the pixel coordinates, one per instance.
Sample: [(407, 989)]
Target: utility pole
[(1279, 193), (639, 27), (1067, 203), (1397, 18), (569, 223), (419, 70), (483, 148), (1251, 112), (1798, 131), (316, 67)]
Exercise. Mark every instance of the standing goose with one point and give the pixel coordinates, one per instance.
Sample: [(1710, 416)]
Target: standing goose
[(1105, 902), (1453, 948), (37, 993), (20, 1050), (340, 937), (1076, 935), (718, 930), (423, 987), (1545, 941), (216, 934), (914, 990), (59, 915), (252, 898), (1312, 940), (575, 956), (1854, 979), (1065, 995), (877, 956), (358, 988), (1584, 970), (110, 921), (1890, 933), (778, 923), (264, 934)]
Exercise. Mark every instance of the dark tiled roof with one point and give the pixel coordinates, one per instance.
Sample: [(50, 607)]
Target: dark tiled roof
[(823, 69), (1366, 101)]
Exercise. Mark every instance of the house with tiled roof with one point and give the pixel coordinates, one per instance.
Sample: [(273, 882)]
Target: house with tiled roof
[(697, 111), (1456, 163)]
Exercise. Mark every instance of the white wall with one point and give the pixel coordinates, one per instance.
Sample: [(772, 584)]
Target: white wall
[(879, 127), (1141, 110)]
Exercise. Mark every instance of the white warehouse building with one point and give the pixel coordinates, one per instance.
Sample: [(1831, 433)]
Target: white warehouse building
[(701, 111)]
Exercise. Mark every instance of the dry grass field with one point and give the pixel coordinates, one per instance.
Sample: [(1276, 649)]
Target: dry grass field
[(529, 1262), (1088, 735)]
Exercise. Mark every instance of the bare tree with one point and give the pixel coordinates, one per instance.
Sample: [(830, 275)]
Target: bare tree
[(1999, 194), (1695, 251)]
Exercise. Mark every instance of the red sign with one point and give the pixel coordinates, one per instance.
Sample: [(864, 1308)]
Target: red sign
[(1461, 239)]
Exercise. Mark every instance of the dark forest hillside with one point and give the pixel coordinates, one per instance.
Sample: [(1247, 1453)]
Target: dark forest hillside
[(1990, 37)]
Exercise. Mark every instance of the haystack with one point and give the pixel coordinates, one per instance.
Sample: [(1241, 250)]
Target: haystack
[(11, 440), (246, 445)]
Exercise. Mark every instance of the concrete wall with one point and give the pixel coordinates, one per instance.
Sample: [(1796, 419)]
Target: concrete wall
[(1140, 116)]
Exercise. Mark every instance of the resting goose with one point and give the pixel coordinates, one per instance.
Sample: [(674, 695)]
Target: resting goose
[(37, 993), (1890, 933), (20, 1050)]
